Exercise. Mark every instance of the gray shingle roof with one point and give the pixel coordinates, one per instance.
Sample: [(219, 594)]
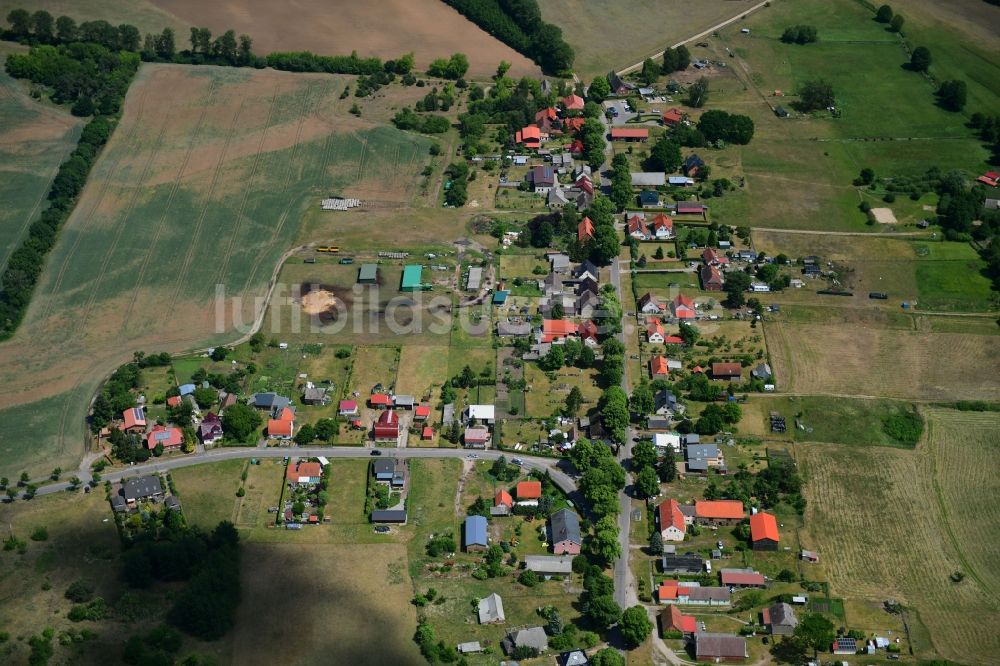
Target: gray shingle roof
[(142, 487), (565, 526)]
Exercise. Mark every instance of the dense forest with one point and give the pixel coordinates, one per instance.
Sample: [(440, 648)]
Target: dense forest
[(519, 25)]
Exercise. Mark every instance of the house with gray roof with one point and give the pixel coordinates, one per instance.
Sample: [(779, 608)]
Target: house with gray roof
[(762, 371), (780, 619), (564, 532), (534, 637), (549, 565), (491, 610), (714, 647), (142, 488), (475, 537)]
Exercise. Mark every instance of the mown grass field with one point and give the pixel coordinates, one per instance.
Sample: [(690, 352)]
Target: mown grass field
[(641, 27), (208, 492), (895, 524), (883, 362), (202, 185), (853, 422)]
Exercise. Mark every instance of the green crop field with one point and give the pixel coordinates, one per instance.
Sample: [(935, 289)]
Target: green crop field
[(201, 188)]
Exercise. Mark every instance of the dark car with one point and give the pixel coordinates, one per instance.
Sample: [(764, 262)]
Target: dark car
[(376, 452), (381, 529)]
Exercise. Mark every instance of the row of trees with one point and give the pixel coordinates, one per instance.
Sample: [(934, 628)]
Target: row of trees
[(519, 25), (884, 14), (800, 34), (406, 119)]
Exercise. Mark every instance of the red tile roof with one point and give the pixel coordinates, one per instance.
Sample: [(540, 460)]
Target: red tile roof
[(678, 621), (554, 329), (134, 417), (672, 116), (529, 490), (573, 103), (742, 578), (588, 330), (673, 340), (380, 399), (719, 509), (279, 428), (658, 366), (313, 470), (173, 401), (546, 114), (629, 133), (576, 146), (726, 369), (422, 411), (637, 224), (763, 526), (387, 425), (427, 433), (654, 327), (168, 437), (503, 498), (585, 230), (573, 124), (663, 221), (670, 511), (348, 405)]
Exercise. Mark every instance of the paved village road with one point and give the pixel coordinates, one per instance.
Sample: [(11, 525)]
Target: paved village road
[(558, 476)]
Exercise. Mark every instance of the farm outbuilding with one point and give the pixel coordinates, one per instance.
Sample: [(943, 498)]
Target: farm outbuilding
[(475, 534), (412, 278), (368, 274)]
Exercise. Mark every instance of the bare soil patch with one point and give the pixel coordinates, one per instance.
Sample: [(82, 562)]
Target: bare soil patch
[(388, 29)]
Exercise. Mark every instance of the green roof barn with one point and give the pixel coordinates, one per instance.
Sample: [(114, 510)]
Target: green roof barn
[(368, 274), (411, 278)]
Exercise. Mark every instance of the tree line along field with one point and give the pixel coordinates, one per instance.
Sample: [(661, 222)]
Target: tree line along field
[(427, 28), (896, 524), (799, 170), (202, 184), (34, 140)]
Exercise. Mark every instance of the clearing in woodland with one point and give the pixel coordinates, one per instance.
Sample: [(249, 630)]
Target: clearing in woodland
[(202, 186), (897, 524)]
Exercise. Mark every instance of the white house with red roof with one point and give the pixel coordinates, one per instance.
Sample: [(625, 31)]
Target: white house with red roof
[(654, 331), (170, 438), (347, 408), (663, 227), (671, 521), (282, 427), (636, 227), (682, 307)]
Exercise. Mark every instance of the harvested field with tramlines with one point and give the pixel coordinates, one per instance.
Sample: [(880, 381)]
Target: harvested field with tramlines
[(897, 524), (863, 360), (389, 28), (202, 185), (34, 140)]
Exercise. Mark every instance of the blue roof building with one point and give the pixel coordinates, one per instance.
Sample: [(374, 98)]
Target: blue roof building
[(475, 533), (500, 297), (187, 388)]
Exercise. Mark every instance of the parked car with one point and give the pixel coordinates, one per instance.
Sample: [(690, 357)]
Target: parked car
[(381, 529), (376, 452)]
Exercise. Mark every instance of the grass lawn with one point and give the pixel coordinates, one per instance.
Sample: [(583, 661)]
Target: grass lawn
[(850, 421), (938, 488), (421, 371), (544, 396), (208, 492), (522, 266), (954, 285)]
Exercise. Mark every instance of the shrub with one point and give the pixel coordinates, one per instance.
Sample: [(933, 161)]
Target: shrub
[(528, 578), (79, 591), (40, 534), (904, 427)]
